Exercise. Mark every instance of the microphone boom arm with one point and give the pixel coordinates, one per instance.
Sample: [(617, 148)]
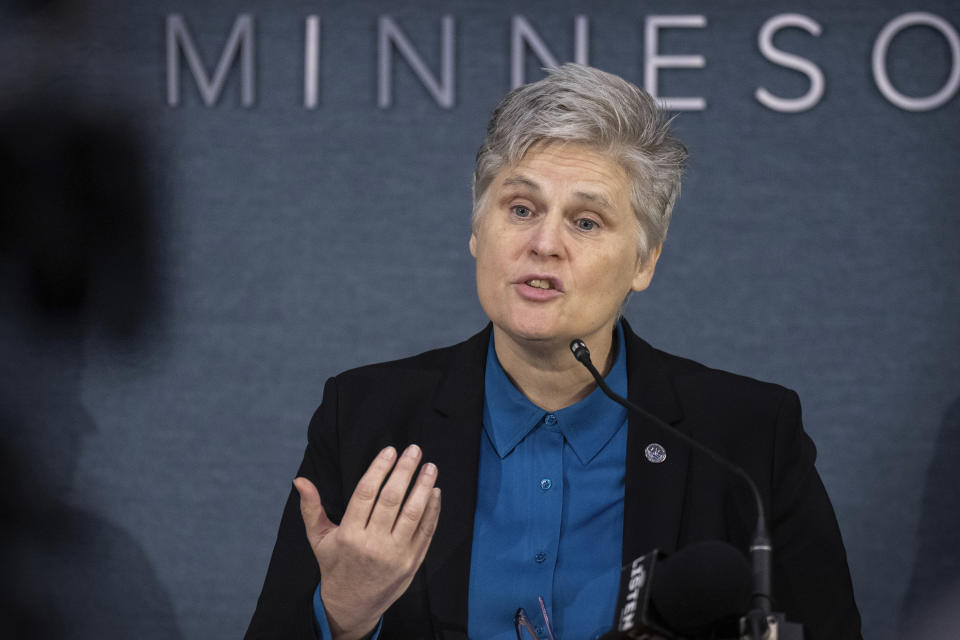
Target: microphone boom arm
[(760, 548)]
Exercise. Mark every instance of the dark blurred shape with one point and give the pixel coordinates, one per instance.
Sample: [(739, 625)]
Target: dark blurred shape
[(931, 608), (47, 11), (76, 236), (77, 257)]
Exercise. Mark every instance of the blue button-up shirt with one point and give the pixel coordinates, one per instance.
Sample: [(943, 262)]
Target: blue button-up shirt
[(549, 517)]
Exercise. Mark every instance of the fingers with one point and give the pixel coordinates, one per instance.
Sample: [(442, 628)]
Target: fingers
[(365, 494), (431, 515), (377, 503), (315, 519), (427, 526), (385, 511), (413, 509)]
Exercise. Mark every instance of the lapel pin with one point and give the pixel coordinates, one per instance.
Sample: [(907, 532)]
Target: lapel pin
[(655, 453)]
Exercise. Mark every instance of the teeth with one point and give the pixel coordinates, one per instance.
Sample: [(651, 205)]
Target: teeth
[(540, 284)]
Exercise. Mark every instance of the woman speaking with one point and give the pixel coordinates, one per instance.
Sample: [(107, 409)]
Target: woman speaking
[(548, 486)]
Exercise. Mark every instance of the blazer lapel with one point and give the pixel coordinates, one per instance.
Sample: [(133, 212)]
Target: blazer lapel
[(451, 439), (654, 493)]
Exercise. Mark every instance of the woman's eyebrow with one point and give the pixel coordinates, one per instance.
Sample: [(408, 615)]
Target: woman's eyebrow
[(521, 181), (594, 198)]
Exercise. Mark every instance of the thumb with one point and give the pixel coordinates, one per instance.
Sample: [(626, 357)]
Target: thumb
[(315, 519)]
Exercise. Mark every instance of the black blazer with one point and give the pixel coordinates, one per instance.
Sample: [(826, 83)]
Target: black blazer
[(435, 399)]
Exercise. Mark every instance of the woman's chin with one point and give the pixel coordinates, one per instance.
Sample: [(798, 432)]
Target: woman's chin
[(532, 331)]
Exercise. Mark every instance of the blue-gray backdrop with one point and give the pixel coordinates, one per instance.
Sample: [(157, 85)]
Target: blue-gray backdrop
[(303, 227)]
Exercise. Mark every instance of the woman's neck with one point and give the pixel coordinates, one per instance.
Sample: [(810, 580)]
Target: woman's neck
[(546, 372)]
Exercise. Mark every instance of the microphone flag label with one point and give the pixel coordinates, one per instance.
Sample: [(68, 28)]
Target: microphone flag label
[(633, 615), (638, 578)]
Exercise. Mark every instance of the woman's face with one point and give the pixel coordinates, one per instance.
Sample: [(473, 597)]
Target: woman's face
[(556, 245)]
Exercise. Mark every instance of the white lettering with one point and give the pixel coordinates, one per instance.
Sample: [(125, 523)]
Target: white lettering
[(653, 61), (240, 40), (790, 61), (311, 63), (524, 41), (390, 34), (523, 35), (638, 576), (879, 61)]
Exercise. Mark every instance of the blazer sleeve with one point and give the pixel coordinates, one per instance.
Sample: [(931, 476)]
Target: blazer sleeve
[(811, 581), (285, 607)]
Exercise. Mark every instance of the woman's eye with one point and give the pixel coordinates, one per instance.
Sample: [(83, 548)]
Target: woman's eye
[(521, 211), (586, 224)]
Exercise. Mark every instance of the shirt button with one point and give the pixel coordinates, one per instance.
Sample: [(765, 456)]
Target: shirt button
[(546, 483), (550, 419), (540, 557), (539, 629)]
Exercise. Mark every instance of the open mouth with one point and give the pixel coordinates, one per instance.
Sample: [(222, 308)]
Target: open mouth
[(540, 284)]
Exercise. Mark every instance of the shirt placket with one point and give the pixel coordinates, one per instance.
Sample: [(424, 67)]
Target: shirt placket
[(547, 477)]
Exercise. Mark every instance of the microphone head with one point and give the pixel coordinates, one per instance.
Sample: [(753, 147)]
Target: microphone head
[(702, 585), (580, 351)]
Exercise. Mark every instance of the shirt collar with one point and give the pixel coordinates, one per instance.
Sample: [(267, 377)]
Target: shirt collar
[(508, 416)]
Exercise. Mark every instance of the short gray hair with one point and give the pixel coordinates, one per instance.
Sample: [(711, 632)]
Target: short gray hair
[(576, 103)]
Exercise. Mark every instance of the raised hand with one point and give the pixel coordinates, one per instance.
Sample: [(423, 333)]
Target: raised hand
[(368, 561)]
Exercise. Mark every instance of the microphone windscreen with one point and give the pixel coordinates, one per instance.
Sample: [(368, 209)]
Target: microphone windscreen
[(701, 585)]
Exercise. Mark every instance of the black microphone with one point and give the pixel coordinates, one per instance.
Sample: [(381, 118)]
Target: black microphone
[(760, 547), (701, 589)]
